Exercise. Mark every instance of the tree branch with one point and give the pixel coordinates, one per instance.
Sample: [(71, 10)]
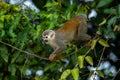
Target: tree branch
[(23, 51)]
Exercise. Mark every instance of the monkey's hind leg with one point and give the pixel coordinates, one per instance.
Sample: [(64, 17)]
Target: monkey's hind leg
[(82, 31)]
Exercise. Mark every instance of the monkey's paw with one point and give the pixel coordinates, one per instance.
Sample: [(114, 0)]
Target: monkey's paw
[(52, 57)]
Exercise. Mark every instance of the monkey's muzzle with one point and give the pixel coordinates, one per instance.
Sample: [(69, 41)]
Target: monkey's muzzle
[(46, 41)]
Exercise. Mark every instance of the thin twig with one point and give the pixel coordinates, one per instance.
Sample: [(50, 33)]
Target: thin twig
[(101, 57), (74, 52), (23, 51), (99, 61), (88, 52), (23, 67), (116, 74)]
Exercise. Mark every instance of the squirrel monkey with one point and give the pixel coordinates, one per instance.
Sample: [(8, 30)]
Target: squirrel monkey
[(72, 30)]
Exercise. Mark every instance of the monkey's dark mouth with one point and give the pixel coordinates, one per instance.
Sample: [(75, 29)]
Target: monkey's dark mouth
[(46, 41)]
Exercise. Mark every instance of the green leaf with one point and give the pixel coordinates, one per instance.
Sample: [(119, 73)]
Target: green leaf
[(12, 69), (91, 73), (2, 33), (15, 8), (103, 22), (84, 50), (93, 44), (75, 73), (111, 21), (51, 26), (69, 50), (2, 12), (65, 74), (11, 77), (110, 11), (99, 32), (81, 61), (118, 10), (4, 53), (11, 33), (15, 56), (116, 28), (110, 74), (103, 43), (1, 25), (109, 34), (89, 60), (100, 73), (49, 4), (103, 3)]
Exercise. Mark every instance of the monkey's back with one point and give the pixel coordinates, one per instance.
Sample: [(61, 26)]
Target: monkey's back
[(69, 28)]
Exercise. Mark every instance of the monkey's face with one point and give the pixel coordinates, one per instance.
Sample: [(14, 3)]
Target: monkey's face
[(46, 38)]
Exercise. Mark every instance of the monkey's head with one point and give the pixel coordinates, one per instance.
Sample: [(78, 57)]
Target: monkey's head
[(48, 36)]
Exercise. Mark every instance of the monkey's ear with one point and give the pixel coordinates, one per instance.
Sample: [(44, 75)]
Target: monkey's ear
[(52, 35)]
